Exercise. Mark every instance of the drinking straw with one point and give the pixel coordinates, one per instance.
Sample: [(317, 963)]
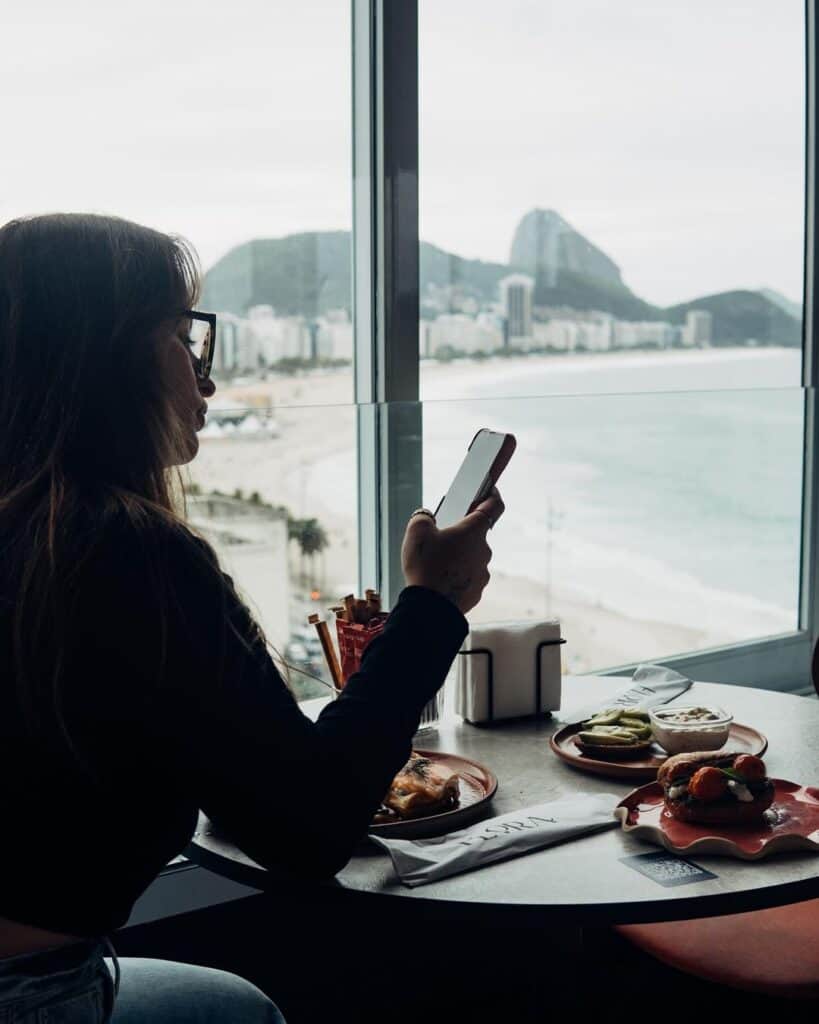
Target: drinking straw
[(328, 649)]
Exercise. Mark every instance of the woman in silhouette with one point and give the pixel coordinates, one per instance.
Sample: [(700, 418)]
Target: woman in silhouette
[(135, 687)]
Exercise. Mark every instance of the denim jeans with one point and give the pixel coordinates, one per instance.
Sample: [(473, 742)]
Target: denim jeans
[(75, 985)]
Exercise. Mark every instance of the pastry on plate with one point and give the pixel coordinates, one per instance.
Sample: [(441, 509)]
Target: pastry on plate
[(421, 788)]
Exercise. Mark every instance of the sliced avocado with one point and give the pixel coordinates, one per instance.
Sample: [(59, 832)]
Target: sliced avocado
[(609, 736), (637, 726), (609, 717)]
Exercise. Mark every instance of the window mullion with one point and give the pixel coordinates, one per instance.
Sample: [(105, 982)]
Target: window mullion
[(809, 583), (385, 172)]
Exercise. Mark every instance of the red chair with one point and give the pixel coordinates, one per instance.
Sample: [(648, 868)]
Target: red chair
[(775, 952)]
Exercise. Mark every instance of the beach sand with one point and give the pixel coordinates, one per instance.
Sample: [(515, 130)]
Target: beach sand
[(316, 423)]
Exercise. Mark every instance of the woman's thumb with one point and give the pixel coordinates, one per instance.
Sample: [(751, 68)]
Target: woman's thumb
[(420, 524)]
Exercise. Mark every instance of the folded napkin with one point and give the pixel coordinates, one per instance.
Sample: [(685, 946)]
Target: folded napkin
[(418, 861), (651, 685), (515, 656)]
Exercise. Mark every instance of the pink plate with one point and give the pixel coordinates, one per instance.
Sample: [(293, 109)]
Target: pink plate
[(742, 738), (478, 785), (796, 826)]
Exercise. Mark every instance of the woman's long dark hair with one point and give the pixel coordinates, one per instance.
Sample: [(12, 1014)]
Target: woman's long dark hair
[(86, 428)]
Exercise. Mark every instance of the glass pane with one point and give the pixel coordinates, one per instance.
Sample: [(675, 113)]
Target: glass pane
[(649, 524), (276, 496), (611, 268), (232, 130), (618, 205)]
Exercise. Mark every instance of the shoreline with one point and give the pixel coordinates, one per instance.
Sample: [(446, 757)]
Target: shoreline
[(334, 386), (311, 468)]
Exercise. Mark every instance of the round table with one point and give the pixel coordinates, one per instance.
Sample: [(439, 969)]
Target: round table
[(582, 883)]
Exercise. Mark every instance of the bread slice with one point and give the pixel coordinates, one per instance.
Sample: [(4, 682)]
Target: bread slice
[(611, 752), (725, 811), (675, 766), (722, 812)]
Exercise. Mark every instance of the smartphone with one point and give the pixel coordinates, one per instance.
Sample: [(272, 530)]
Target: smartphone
[(486, 458)]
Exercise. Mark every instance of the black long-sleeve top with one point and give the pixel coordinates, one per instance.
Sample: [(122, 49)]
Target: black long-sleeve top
[(178, 706)]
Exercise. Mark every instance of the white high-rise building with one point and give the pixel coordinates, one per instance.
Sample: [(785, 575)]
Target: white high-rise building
[(248, 347), (698, 327), (225, 354), (335, 336), (591, 334), (516, 298), (261, 323), (628, 334), (237, 345), (462, 333)]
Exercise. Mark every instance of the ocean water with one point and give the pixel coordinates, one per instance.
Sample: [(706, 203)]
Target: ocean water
[(667, 486)]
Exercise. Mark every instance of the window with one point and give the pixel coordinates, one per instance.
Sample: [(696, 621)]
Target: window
[(232, 129), (610, 203), (612, 211), (649, 524)]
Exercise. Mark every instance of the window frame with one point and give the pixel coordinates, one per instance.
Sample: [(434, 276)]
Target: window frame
[(386, 317), (385, 283)]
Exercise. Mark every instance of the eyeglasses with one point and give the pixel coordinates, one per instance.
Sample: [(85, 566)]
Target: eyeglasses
[(201, 340)]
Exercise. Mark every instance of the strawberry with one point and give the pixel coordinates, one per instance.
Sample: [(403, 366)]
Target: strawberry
[(749, 767), (708, 784)]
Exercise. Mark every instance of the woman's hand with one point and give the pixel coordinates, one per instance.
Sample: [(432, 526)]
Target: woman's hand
[(452, 561)]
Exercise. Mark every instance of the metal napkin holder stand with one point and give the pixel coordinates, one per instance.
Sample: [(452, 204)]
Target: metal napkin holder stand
[(490, 702)]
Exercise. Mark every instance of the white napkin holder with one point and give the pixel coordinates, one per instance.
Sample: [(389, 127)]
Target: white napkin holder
[(509, 670)]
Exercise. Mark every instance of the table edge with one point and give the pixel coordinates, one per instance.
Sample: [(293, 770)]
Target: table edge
[(598, 914)]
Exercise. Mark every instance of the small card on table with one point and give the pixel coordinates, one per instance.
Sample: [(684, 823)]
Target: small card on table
[(666, 869)]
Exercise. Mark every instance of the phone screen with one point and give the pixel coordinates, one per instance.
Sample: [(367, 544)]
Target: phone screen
[(471, 479)]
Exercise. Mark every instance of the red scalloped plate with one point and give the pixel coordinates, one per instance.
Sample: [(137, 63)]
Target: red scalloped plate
[(642, 814)]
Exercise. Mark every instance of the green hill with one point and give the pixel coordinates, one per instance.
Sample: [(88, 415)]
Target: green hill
[(544, 244), (742, 316), (439, 268), (794, 309), (578, 291), (307, 274), (310, 273)]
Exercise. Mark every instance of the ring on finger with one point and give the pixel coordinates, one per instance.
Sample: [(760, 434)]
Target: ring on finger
[(423, 512), (483, 512)]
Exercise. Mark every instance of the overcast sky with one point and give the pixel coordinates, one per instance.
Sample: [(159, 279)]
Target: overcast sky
[(670, 134)]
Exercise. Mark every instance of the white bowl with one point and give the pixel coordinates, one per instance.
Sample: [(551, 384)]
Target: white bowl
[(680, 737)]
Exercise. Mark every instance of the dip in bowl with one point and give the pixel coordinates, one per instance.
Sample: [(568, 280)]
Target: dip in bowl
[(680, 730)]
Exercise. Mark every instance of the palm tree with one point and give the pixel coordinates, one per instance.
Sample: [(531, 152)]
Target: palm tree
[(313, 542), (295, 529)]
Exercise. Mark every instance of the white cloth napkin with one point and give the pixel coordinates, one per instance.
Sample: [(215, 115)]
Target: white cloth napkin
[(514, 651), (651, 685), (419, 861)]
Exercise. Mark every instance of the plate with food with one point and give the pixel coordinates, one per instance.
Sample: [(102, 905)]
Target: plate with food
[(722, 803), (628, 743), (434, 793)]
